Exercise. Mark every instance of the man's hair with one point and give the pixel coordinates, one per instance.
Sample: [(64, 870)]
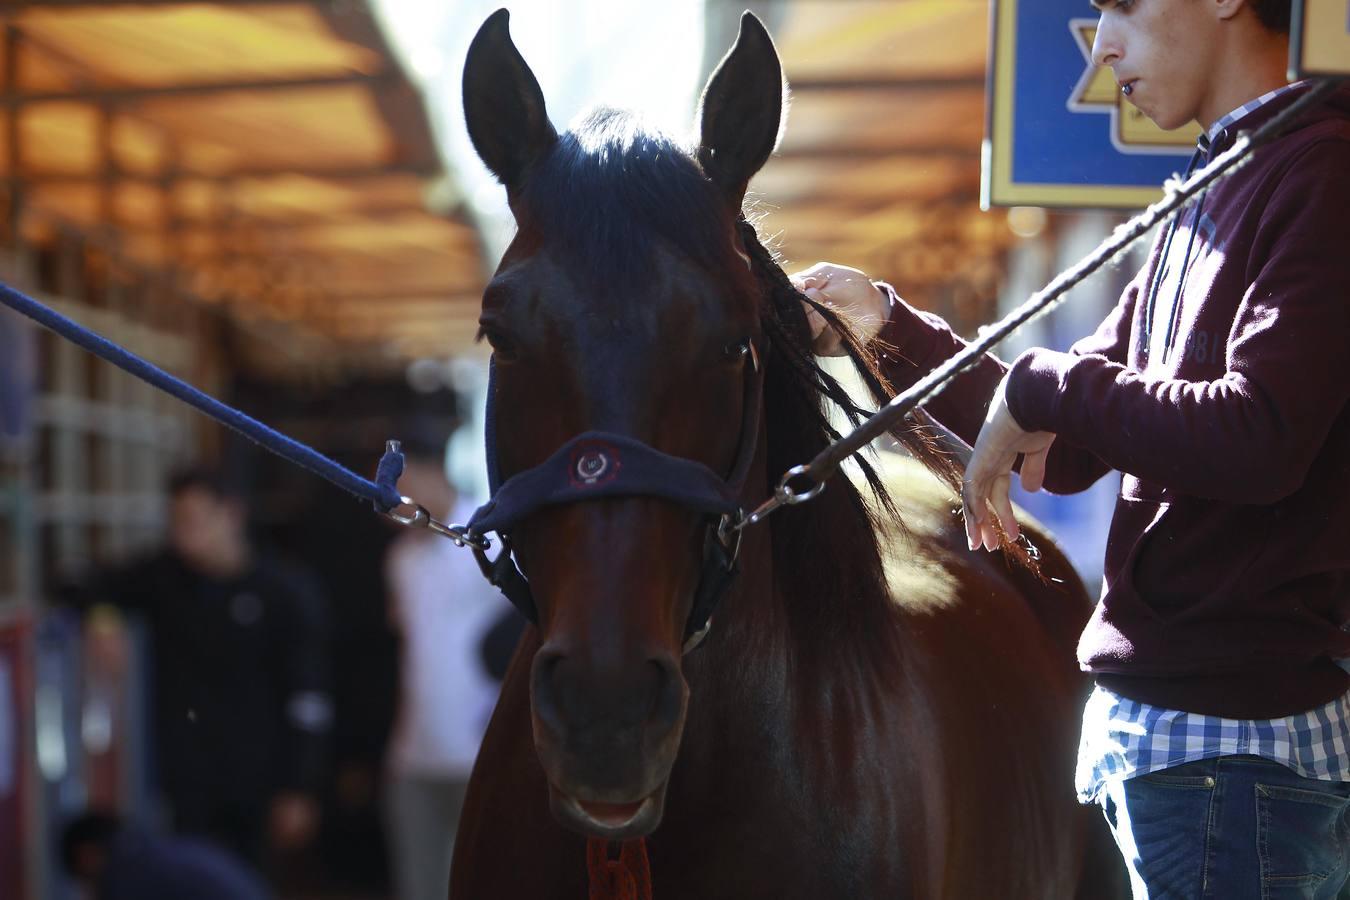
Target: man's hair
[(95, 828), (1274, 14), (213, 481)]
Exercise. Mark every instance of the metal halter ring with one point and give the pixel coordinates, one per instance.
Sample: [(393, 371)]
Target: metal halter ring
[(459, 535), (785, 494), (729, 533)]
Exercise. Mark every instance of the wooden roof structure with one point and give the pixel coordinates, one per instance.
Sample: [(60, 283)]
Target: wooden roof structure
[(880, 164), (269, 154), (272, 155)]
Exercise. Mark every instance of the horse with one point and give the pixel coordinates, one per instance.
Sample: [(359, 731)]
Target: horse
[(855, 723)]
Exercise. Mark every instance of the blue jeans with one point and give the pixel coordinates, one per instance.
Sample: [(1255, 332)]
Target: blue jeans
[(1231, 828)]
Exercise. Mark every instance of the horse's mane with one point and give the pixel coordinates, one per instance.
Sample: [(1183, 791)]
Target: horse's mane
[(608, 186), (831, 551)]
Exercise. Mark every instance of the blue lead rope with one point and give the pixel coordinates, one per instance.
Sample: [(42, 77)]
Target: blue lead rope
[(382, 492)]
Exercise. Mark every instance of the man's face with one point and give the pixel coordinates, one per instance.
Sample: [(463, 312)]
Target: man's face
[(204, 529), (1163, 49)]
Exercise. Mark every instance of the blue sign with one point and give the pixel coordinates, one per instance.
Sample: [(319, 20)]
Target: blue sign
[(1060, 131)]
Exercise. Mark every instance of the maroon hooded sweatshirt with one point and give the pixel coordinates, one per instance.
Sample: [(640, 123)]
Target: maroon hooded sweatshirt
[(1227, 575)]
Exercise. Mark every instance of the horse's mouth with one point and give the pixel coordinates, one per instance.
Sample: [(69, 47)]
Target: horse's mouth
[(613, 821)]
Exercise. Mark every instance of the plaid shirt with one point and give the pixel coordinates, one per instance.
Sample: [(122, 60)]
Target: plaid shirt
[(1249, 107), (1122, 738)]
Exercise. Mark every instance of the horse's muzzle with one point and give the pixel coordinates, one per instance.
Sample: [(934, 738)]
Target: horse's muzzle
[(607, 738), (615, 822)]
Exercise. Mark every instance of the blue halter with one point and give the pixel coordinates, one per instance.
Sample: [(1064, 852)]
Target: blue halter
[(598, 464)]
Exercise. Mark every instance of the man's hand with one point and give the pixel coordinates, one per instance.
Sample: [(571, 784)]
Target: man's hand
[(989, 474), (848, 292), (294, 820)]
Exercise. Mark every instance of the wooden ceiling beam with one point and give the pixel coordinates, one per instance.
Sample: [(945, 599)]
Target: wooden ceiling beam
[(30, 5), (119, 95), (853, 202), (291, 219), (396, 292), (871, 85), (336, 173), (899, 154), (397, 306)]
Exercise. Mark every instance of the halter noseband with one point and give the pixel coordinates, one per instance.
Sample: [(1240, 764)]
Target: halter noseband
[(597, 464)]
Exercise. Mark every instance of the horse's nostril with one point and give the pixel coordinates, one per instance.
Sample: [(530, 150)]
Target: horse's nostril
[(572, 698), (665, 708), (545, 689)]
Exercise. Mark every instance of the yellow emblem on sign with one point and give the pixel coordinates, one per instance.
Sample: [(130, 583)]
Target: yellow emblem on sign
[(1096, 92)]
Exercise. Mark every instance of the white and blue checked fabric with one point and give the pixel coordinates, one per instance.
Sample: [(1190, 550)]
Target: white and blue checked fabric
[(1123, 738), (1249, 107)]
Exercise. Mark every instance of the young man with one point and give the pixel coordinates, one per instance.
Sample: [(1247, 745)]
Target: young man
[(240, 668), (1217, 739)]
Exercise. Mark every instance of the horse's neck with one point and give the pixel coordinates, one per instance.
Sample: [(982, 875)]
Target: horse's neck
[(779, 708), (797, 627)]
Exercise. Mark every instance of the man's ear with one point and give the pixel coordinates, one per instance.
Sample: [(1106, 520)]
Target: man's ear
[(741, 113), (503, 105)]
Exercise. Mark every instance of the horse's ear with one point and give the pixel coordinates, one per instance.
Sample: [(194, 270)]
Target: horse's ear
[(741, 113), (503, 105)]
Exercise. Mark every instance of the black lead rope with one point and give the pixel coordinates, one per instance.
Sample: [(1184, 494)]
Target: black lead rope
[(802, 483)]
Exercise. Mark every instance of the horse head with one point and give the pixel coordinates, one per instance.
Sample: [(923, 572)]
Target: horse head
[(624, 305)]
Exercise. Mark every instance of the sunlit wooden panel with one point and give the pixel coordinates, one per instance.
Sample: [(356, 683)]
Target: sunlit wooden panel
[(205, 42), (911, 39), (290, 128), (148, 249), (38, 71), (415, 271), (59, 137), (438, 304), (137, 147), (893, 119), (799, 223), (852, 185), (201, 155), (291, 197), (72, 203), (196, 199), (411, 326), (388, 233), (139, 205)]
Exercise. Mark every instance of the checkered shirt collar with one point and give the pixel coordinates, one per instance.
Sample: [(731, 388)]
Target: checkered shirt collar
[(1246, 109)]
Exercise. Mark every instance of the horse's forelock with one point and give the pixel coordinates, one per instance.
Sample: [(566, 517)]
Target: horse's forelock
[(612, 188)]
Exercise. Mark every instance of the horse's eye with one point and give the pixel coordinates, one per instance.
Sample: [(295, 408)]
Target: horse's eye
[(737, 350), (504, 350)]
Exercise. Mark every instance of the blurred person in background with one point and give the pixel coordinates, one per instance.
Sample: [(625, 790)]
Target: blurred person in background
[(442, 608), (115, 860), (240, 673)]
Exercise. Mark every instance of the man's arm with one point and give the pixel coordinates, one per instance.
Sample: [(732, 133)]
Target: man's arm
[(1250, 435), (912, 343)]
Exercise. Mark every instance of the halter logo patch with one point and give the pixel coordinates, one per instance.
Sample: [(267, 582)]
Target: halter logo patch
[(594, 464)]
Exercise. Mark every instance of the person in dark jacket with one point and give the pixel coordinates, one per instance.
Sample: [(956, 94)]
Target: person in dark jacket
[(119, 861), (1217, 738), (240, 670)]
